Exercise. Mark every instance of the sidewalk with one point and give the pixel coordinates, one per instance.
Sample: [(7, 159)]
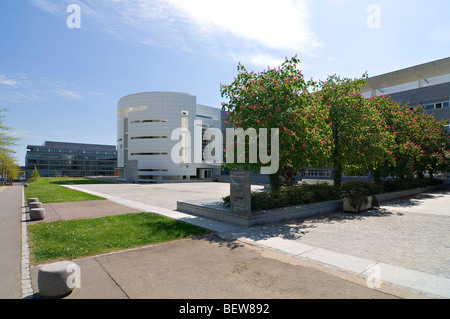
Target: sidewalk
[(363, 245), (202, 268), (10, 241)]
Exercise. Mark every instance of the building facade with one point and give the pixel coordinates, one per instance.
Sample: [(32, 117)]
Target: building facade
[(426, 84), (158, 134), (71, 159)]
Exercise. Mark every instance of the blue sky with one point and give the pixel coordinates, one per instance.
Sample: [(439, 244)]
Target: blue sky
[(63, 84)]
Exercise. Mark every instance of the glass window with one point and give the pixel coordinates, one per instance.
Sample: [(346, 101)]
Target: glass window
[(439, 105), (429, 107), (446, 104)]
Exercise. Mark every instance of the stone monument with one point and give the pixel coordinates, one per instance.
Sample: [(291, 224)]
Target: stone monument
[(240, 191)]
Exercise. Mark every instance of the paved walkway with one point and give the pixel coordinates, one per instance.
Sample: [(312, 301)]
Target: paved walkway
[(10, 242), (404, 245)]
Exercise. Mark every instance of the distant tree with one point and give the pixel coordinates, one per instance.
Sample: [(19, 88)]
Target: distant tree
[(34, 175), (7, 162), (6, 139)]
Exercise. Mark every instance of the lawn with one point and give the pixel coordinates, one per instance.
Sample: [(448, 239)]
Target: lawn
[(79, 238), (50, 189)]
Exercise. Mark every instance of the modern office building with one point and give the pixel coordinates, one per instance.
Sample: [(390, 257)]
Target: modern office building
[(71, 159), (159, 135), (426, 84)]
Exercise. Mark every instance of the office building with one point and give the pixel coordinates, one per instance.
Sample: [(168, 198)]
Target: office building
[(148, 141), (426, 84), (71, 159)]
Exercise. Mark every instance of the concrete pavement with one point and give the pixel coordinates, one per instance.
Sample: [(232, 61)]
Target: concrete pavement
[(342, 254), (10, 242), (393, 246)]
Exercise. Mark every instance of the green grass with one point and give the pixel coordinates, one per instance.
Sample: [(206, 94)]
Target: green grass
[(49, 189), (72, 239)]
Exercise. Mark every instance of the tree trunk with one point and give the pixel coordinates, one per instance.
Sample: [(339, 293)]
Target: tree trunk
[(337, 175), (376, 176), (275, 182)]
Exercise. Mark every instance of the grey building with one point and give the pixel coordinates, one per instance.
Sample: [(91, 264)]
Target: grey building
[(426, 84), (71, 159)]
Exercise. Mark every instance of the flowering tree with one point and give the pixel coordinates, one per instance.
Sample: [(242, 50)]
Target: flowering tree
[(421, 143), (359, 138), (331, 124), (278, 98)]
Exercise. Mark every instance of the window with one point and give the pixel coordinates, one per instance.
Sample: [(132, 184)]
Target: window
[(149, 121), (446, 104), (148, 154), (429, 107), (318, 173), (147, 137), (439, 105), (204, 116)]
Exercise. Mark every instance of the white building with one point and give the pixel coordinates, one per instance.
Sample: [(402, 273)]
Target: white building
[(146, 122)]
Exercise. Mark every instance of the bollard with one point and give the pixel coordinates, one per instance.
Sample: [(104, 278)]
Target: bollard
[(37, 213)]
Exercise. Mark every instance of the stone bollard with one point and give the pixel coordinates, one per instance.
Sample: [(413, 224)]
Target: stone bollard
[(58, 279), (35, 205), (32, 200), (37, 213)]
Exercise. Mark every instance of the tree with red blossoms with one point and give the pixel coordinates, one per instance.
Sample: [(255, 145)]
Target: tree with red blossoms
[(421, 143), (278, 98), (360, 141)]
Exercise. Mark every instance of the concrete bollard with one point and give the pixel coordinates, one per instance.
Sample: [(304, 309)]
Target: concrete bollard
[(58, 279), (37, 213), (35, 205), (32, 200)]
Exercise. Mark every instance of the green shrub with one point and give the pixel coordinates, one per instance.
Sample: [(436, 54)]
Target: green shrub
[(399, 185), (314, 193), (365, 188), (291, 196), (34, 175)]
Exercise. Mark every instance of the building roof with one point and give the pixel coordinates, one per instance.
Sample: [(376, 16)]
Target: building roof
[(67, 145), (408, 75)]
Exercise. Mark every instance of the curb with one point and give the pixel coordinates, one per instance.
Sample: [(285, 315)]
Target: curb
[(27, 288)]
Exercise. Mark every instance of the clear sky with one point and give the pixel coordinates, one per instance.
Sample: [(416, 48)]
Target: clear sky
[(63, 84)]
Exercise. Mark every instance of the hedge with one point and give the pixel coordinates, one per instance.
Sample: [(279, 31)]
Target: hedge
[(314, 193)]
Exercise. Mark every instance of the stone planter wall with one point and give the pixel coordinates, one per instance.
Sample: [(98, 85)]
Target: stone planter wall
[(217, 210)]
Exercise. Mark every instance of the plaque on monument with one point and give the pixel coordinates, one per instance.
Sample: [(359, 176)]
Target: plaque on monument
[(240, 191)]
